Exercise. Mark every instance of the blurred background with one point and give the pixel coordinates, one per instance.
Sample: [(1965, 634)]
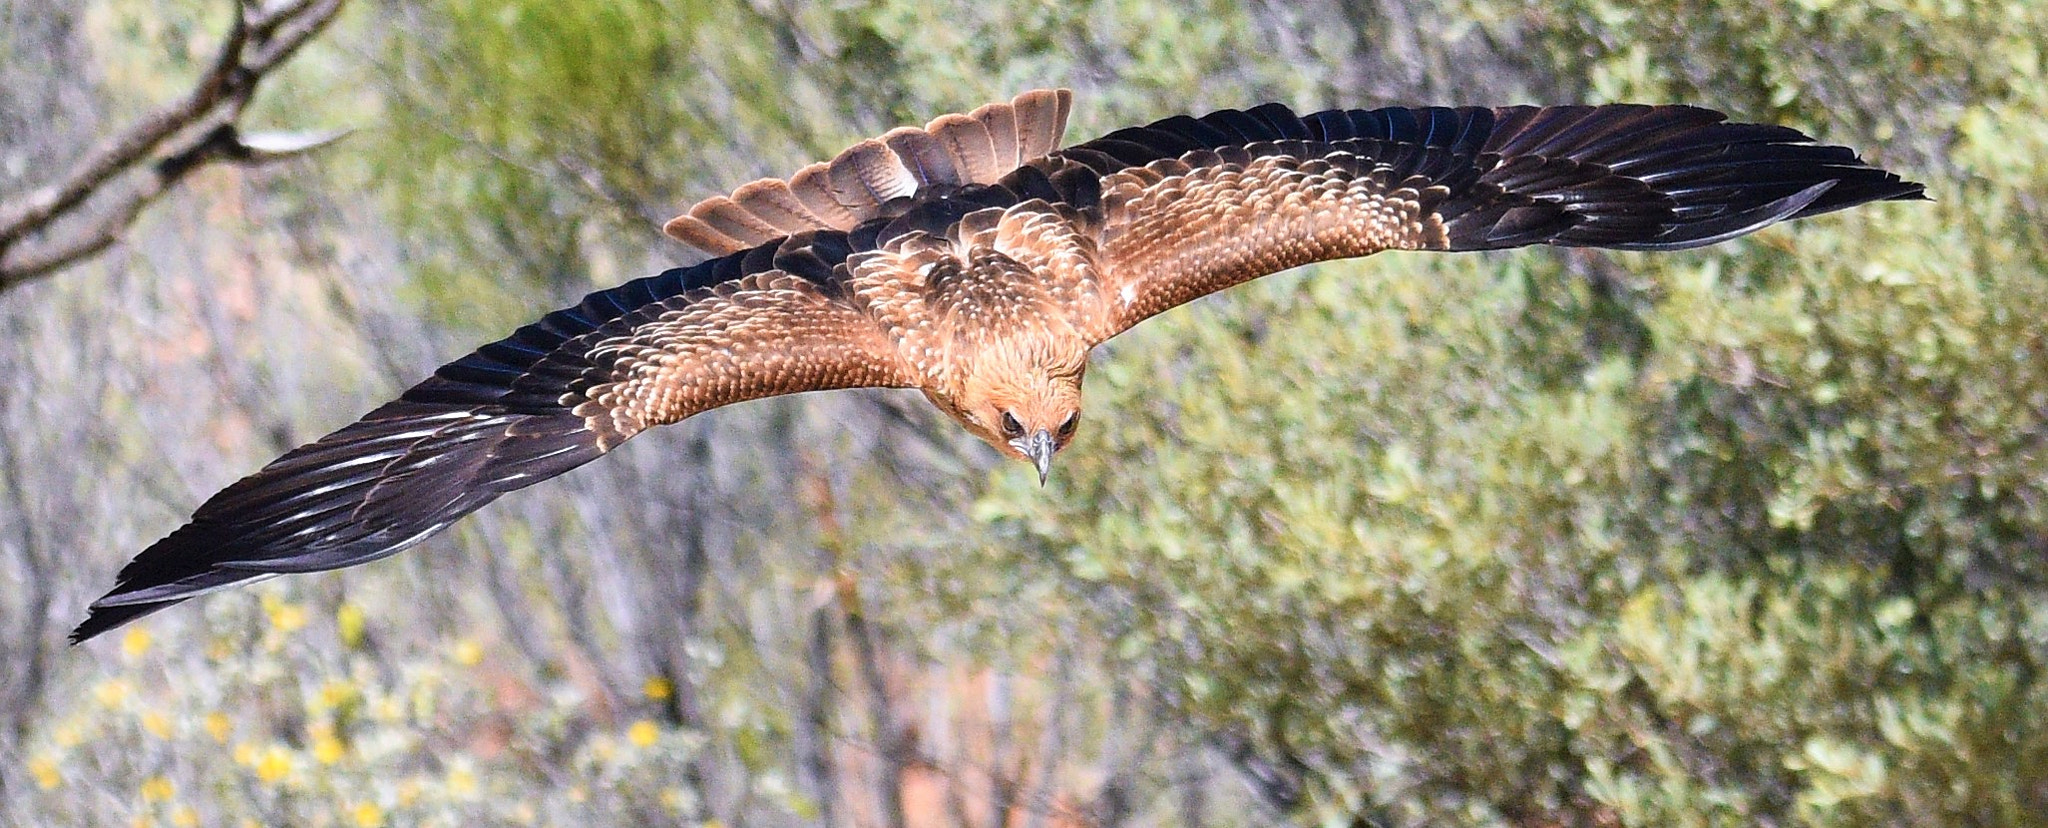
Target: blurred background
[(1751, 535)]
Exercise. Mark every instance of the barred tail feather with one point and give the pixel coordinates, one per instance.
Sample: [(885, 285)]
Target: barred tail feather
[(875, 176)]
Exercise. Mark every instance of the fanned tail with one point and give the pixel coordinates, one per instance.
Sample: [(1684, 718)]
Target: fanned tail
[(874, 176)]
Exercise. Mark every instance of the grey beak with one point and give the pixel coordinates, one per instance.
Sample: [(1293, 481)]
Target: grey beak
[(1039, 447)]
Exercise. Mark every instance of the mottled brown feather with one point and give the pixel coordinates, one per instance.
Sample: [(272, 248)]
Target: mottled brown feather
[(764, 335), (970, 260), (1002, 132), (1173, 233), (967, 144), (1041, 117), (858, 184), (812, 187), (772, 203), (925, 158)]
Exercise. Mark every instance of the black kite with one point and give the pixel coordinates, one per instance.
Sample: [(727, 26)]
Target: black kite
[(975, 261)]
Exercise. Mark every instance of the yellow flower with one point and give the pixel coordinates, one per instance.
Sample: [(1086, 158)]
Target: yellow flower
[(368, 815), (658, 688), (246, 754), (348, 622), (335, 693), (157, 789), (218, 726), (461, 781), (468, 653), (274, 764), (157, 724), (44, 769), (286, 617), (184, 816), (135, 642), (643, 733), (112, 692), (328, 750), (66, 736)]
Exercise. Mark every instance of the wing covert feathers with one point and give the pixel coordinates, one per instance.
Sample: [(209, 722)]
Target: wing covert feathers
[(1195, 205), (863, 182), (550, 397), (817, 278), (372, 489)]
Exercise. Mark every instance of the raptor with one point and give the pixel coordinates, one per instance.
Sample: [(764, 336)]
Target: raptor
[(977, 261)]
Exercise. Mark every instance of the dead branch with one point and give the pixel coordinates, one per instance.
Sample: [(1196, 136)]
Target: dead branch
[(200, 129)]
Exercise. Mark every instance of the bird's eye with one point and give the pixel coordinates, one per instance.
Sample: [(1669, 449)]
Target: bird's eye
[(1011, 428), (1068, 425)]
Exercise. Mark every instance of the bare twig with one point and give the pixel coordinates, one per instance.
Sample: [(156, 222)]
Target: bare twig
[(1042, 795), (890, 735), (25, 689), (1280, 785), (894, 741), (256, 43), (814, 728)]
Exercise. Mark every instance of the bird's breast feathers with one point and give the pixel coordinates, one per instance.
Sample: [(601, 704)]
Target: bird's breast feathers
[(1007, 282)]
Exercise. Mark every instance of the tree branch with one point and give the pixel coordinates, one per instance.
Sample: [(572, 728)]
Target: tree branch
[(255, 45), (895, 742)]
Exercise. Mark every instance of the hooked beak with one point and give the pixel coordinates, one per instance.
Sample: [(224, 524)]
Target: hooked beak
[(1039, 447)]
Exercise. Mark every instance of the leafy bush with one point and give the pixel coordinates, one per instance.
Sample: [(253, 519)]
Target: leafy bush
[(1748, 535)]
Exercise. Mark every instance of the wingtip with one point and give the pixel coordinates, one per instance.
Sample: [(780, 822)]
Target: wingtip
[(99, 619), (1866, 185)]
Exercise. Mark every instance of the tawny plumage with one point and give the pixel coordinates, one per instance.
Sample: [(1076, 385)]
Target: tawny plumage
[(972, 260)]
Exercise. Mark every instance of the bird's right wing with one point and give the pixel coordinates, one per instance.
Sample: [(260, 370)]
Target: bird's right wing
[(554, 395)]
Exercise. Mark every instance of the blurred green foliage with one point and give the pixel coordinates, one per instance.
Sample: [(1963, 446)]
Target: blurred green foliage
[(1747, 535), (1439, 533)]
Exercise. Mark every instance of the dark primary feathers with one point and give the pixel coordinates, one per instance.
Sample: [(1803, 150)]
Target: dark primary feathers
[(1345, 183), (831, 279), (514, 413)]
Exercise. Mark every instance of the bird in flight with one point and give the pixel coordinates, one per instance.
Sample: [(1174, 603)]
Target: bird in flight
[(978, 262)]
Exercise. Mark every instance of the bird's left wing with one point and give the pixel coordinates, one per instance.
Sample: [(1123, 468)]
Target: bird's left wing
[(1189, 206), (554, 395)]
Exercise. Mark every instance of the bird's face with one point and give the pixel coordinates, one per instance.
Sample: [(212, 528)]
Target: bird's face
[(1028, 416)]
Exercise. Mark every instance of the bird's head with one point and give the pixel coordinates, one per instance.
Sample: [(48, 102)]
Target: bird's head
[(1028, 415)]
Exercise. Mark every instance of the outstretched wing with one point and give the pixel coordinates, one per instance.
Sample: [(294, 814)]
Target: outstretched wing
[(556, 394), (1178, 209), (1191, 206)]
